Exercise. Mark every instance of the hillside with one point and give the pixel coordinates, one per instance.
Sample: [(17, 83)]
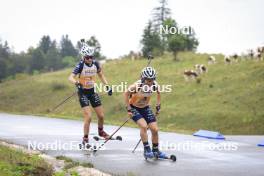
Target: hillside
[(229, 98)]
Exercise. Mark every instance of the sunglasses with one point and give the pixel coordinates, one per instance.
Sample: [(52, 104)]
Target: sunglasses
[(147, 79), (88, 57)]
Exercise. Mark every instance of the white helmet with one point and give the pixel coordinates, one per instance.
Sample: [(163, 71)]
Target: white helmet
[(148, 73), (87, 51)]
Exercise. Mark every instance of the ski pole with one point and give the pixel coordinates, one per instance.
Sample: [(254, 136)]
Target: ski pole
[(150, 57), (61, 103), (136, 146), (112, 135)]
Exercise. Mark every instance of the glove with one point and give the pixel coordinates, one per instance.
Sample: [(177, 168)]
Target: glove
[(79, 86), (109, 90), (157, 108), (129, 112)]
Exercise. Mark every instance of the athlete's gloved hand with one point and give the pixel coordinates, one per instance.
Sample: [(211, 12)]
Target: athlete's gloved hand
[(109, 90), (129, 112), (157, 109), (79, 86)]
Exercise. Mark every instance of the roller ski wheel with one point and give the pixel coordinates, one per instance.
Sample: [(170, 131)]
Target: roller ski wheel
[(85, 144), (97, 138), (173, 158)]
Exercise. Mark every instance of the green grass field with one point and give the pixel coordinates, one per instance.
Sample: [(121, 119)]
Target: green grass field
[(229, 98), (17, 163)]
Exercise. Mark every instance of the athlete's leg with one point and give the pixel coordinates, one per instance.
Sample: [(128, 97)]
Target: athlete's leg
[(84, 102), (97, 105), (144, 137), (153, 126), (143, 126), (100, 115), (87, 114)]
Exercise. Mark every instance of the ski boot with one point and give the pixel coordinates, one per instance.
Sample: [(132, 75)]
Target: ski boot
[(103, 134), (148, 153), (159, 155)]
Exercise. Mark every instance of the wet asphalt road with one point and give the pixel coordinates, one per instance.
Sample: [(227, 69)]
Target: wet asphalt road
[(237, 155)]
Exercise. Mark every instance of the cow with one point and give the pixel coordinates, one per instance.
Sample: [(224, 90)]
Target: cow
[(200, 68), (235, 57), (227, 60), (258, 56), (190, 74), (251, 54), (211, 60)]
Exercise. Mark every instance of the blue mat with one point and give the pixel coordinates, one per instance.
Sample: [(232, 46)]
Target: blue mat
[(261, 144), (209, 134)]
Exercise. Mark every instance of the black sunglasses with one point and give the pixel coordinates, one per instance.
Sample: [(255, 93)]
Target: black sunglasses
[(88, 57), (150, 79)]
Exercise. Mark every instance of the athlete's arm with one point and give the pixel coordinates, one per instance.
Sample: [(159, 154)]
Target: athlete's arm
[(72, 78), (100, 73), (158, 97), (128, 93), (102, 77), (75, 72)]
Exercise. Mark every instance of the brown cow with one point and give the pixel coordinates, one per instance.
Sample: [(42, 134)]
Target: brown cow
[(190, 74)]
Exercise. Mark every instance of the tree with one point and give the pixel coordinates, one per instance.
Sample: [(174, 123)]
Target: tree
[(151, 41), (176, 43), (45, 44), (191, 42), (67, 48), (93, 42), (179, 41), (2, 68), (4, 60), (37, 60), (53, 58), (161, 13), (169, 23), (20, 63)]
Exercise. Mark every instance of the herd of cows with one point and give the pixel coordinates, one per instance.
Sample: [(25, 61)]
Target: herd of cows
[(199, 69)]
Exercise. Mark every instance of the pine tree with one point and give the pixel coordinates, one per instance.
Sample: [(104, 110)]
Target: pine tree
[(45, 44), (151, 41), (160, 14), (67, 48)]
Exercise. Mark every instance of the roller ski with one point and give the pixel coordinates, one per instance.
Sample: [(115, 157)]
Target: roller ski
[(104, 136), (163, 156), (85, 145), (157, 155), (98, 138)]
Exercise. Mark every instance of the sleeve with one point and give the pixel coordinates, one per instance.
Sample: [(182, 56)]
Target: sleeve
[(78, 68), (99, 69)]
